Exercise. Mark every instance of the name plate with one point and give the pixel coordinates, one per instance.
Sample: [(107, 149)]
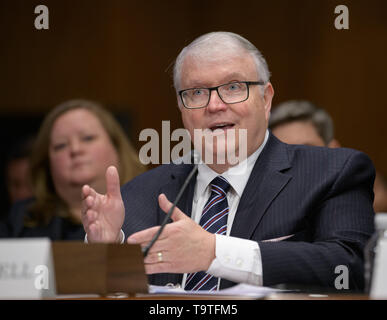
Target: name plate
[(379, 278), (26, 269)]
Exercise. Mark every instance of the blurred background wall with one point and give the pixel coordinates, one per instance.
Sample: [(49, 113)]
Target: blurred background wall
[(121, 53)]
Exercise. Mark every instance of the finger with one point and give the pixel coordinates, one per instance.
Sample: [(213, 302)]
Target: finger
[(87, 204), (88, 218), (154, 257), (88, 191), (166, 205), (160, 245), (113, 182), (85, 191), (143, 236), (85, 208), (86, 225), (89, 201), (93, 231), (162, 267), (88, 194), (91, 216)]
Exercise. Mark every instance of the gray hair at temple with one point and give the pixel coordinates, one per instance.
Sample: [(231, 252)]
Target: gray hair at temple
[(215, 44), (301, 110)]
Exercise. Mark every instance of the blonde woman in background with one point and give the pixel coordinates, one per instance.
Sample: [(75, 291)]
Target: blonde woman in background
[(76, 143)]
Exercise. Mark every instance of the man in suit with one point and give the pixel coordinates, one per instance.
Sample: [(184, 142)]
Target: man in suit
[(292, 215)]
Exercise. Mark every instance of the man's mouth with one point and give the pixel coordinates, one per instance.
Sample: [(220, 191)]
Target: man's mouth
[(222, 126)]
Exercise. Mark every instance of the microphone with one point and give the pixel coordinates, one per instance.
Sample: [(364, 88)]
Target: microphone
[(195, 161)]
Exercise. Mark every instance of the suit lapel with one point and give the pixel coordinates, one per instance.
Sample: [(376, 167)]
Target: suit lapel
[(172, 188), (265, 182)]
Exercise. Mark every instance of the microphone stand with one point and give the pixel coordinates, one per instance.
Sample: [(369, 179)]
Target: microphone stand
[(169, 214)]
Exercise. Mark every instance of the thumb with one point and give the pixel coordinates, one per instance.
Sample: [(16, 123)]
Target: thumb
[(113, 182), (166, 205)]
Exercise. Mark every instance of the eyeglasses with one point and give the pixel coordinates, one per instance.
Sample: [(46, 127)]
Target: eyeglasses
[(233, 92)]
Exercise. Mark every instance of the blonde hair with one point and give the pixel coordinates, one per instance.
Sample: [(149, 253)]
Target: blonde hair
[(47, 203)]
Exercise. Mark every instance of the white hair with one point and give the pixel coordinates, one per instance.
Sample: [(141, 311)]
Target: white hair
[(215, 44)]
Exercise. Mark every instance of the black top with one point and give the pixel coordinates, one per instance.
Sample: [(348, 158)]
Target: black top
[(58, 228)]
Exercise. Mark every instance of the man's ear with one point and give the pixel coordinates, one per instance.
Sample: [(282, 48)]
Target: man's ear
[(178, 101), (268, 97), (334, 144)]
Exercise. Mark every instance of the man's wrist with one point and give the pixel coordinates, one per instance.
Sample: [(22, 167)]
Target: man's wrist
[(120, 239), (212, 250)]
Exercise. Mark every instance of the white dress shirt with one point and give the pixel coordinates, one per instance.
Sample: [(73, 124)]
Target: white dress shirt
[(237, 259)]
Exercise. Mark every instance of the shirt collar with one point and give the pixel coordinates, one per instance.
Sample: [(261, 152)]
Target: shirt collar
[(237, 176)]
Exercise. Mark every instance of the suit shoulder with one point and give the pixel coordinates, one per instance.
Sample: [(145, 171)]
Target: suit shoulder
[(156, 177), (325, 153), (334, 160)]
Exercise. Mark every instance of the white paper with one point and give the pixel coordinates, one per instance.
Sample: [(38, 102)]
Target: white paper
[(241, 290)]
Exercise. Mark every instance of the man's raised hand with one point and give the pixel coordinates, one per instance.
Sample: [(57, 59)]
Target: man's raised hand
[(103, 215)]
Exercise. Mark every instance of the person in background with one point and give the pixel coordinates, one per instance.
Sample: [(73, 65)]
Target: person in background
[(302, 122), (17, 177), (76, 143), (17, 171), (380, 191)]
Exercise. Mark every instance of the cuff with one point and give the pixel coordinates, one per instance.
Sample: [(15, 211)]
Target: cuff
[(237, 259), (122, 237)]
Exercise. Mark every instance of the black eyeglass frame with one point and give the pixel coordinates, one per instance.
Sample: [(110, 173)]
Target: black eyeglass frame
[(248, 84)]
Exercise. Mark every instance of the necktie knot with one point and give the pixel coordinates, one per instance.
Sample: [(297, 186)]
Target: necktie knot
[(220, 185)]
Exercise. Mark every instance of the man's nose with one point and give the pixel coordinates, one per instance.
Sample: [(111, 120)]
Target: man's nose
[(216, 103)]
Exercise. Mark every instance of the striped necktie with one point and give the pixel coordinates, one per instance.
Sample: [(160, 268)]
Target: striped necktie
[(213, 219)]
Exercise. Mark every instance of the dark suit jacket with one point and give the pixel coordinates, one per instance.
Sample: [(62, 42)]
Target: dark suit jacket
[(321, 196), (58, 228)]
